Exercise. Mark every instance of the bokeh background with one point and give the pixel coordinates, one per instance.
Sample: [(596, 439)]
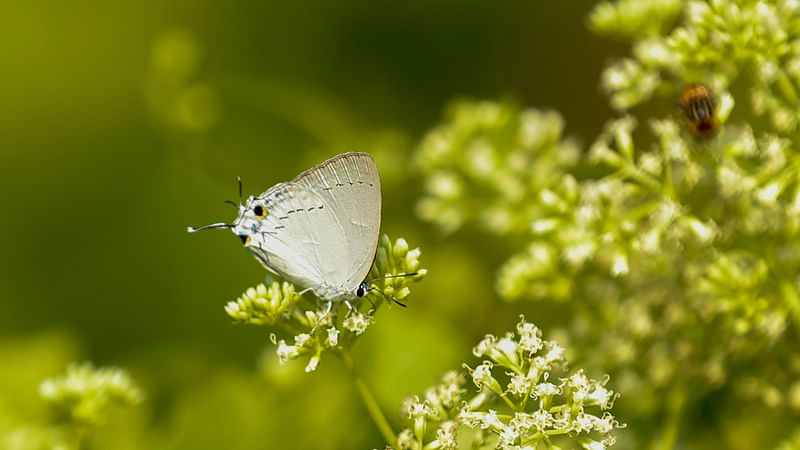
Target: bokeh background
[(123, 123)]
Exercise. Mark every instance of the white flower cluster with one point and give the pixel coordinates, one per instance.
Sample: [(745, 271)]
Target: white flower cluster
[(517, 369)]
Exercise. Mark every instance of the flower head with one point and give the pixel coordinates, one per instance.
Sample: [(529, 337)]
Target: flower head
[(579, 404), (84, 394)]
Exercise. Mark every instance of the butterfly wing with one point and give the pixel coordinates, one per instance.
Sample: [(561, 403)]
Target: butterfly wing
[(299, 236), (350, 187)]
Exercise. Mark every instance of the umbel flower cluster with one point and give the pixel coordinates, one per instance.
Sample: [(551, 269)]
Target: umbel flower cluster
[(314, 330), (719, 42), (84, 395), (519, 403), (78, 402), (678, 254)]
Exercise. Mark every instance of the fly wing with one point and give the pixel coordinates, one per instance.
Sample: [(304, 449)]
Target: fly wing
[(350, 186)]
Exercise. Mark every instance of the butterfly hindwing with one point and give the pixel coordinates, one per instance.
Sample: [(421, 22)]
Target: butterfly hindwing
[(351, 185)]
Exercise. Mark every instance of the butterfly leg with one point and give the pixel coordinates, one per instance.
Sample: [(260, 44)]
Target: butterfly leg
[(372, 304), (323, 316)]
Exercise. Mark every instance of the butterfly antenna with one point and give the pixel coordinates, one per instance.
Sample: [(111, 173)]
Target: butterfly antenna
[(394, 276), (232, 203), (240, 190), (213, 225), (387, 296)]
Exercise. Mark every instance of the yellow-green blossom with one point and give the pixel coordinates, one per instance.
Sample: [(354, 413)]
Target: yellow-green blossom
[(316, 328)]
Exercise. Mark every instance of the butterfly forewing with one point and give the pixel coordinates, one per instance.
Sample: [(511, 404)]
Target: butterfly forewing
[(351, 186), (300, 236)]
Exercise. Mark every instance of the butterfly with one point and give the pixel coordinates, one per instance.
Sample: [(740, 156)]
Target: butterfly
[(320, 230)]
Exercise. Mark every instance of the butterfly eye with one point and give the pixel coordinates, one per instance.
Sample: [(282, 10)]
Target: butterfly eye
[(260, 212), (245, 239)]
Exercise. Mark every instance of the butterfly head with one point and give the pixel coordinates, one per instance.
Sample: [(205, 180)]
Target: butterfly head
[(247, 224), (250, 220)]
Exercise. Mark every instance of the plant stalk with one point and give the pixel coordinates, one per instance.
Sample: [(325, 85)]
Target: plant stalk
[(672, 422), (368, 399)]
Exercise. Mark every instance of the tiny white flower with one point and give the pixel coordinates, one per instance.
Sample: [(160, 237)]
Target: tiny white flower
[(575, 255), (508, 348), (583, 422), (312, 363), (604, 424), (549, 198), (522, 421), (484, 346), (542, 420), (472, 419), (545, 389), (619, 265), (286, 352), (650, 241), (482, 374), (540, 364), (579, 385), (449, 392), (420, 409), (406, 440), (447, 435), (542, 226), (705, 233), (599, 396), (48, 389), (594, 445), (555, 352), (357, 322), (508, 436), (444, 184), (769, 193), (492, 420), (529, 340), (302, 339), (650, 163), (518, 384), (586, 214), (333, 337)]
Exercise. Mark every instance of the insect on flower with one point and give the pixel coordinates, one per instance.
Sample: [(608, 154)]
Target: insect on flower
[(698, 107)]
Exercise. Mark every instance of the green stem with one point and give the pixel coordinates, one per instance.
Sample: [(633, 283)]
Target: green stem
[(669, 434), (786, 88), (509, 402), (631, 171), (669, 187), (792, 299), (368, 399), (80, 434)]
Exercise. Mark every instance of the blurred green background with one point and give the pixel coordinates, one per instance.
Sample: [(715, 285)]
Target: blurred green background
[(123, 123)]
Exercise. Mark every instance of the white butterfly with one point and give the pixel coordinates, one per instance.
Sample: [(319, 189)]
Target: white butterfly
[(320, 230)]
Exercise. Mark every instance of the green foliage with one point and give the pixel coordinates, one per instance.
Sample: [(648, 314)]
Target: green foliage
[(570, 408), (667, 261)]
